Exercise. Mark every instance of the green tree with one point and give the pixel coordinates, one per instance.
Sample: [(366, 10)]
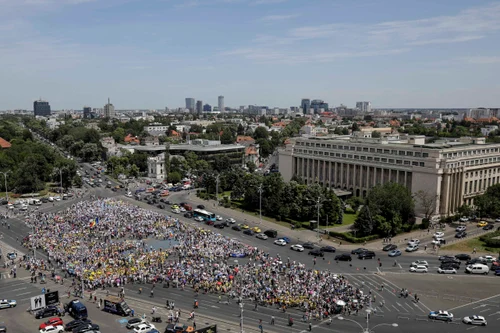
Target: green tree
[(376, 134), (261, 133), (251, 167), (241, 129), (118, 134), (227, 137), (174, 177), (90, 152)]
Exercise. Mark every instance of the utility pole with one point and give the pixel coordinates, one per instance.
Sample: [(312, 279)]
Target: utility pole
[(34, 246), (6, 191), (260, 189), (217, 189), (241, 317), (318, 203)]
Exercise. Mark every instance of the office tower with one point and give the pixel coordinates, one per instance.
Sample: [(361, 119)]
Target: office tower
[(318, 104), (221, 103), (87, 110), (364, 106), (305, 105), (109, 110), (41, 108), (199, 107), (207, 108), (190, 104)]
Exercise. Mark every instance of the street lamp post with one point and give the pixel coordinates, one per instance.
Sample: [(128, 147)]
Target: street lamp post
[(217, 190), (318, 202), (367, 328), (241, 317), (5, 177), (260, 189)]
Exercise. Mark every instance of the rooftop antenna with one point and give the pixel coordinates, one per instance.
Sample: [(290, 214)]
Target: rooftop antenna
[(108, 100)]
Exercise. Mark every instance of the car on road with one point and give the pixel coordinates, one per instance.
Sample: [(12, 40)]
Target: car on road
[(218, 217), (446, 257), (219, 225), (249, 232), (271, 233), (414, 242), (464, 219), (475, 320), (441, 315), (49, 311), (175, 211), (297, 247), (343, 257), (188, 215), (256, 230), (52, 329), (488, 259), (56, 321), (476, 261), (461, 228), (412, 248), (286, 239), (328, 248), (144, 328), (418, 269), (488, 227), (161, 206), (366, 255), (7, 303), (86, 328), (420, 263), (200, 207), (236, 228), (262, 236), (395, 253), (199, 219), (11, 255), (477, 269), (462, 256), (316, 253), (280, 242), (447, 270), (231, 220), (482, 224), (389, 247), (461, 234), (308, 245), (77, 323), (439, 234), (450, 264), (358, 250), (244, 226)]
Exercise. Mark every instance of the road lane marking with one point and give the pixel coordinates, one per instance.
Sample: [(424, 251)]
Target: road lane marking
[(19, 289), (475, 302), (29, 292)]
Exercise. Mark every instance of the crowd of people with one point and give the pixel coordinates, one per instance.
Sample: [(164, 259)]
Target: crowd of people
[(107, 242)]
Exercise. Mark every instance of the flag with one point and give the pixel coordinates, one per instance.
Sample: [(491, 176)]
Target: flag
[(92, 223), (96, 220)]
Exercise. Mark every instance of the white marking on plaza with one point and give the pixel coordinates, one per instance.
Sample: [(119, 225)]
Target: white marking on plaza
[(475, 302)]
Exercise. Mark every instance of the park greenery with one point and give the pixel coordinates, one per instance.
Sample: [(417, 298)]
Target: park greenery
[(30, 165), (488, 204)]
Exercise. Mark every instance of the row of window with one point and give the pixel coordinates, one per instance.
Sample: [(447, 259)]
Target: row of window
[(480, 185), (474, 162), (480, 173), (364, 149), (362, 157), (472, 152)]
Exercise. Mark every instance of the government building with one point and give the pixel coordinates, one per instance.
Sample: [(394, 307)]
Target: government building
[(454, 171)]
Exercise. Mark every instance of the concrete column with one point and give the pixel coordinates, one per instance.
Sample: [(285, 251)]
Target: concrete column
[(445, 194)]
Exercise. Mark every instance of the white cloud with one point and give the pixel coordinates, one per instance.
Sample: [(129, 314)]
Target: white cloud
[(272, 18), (458, 39)]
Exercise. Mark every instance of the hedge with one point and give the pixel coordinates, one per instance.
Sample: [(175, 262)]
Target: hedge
[(491, 239), (350, 238)]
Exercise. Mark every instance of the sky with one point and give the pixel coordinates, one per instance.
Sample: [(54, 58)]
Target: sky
[(155, 53)]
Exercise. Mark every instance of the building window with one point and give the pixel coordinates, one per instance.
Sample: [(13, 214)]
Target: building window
[(407, 162), (425, 154), (418, 154), (401, 152), (370, 158), (363, 157), (391, 161), (384, 160), (372, 150), (414, 163), (379, 150), (399, 162), (377, 159), (422, 164)]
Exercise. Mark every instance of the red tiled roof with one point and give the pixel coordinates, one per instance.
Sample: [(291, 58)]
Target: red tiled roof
[(4, 143)]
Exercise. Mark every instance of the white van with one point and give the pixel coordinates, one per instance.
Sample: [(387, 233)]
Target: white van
[(38, 202), (477, 269)]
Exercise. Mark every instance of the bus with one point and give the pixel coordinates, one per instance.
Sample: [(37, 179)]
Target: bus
[(207, 216)]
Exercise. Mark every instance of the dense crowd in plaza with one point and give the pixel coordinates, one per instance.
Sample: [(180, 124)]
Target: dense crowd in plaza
[(105, 241)]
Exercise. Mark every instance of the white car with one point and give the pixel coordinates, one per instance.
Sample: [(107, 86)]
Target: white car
[(420, 263), (412, 248), (182, 209), (231, 220), (441, 315), (439, 234), (489, 259), (198, 219), (51, 199), (280, 242), (218, 217), (143, 328), (52, 329), (418, 269), (497, 219), (176, 211), (475, 320), (461, 228), (58, 198), (438, 241), (262, 236), (129, 195), (297, 247), (6, 303), (414, 242), (464, 219), (447, 270)]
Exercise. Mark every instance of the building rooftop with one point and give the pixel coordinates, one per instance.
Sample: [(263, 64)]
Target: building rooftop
[(191, 147), (4, 143)]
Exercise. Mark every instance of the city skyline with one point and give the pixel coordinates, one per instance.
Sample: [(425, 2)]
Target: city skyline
[(417, 54)]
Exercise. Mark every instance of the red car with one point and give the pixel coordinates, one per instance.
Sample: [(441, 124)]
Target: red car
[(52, 322)]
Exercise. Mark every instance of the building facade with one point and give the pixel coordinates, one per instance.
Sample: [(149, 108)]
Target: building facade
[(156, 167), (199, 107), (41, 108), (109, 110), (364, 107), (305, 104), (221, 103), (190, 104), (207, 108), (319, 106), (455, 172), (87, 112)]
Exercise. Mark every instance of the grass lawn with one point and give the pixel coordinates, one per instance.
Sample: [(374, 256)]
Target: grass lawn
[(467, 246)]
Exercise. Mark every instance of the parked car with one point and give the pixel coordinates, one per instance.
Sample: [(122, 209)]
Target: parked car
[(366, 255), (328, 248), (262, 236), (418, 269), (461, 228), (412, 248), (249, 232), (462, 256), (447, 270), (441, 315), (49, 311), (308, 245), (461, 234), (488, 227), (280, 242), (358, 250), (201, 206), (475, 320), (395, 253), (297, 247), (343, 257), (420, 263), (316, 253), (389, 247)]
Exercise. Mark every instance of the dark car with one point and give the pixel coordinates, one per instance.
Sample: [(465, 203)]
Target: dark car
[(462, 256), (316, 253), (461, 234), (201, 206), (452, 260), (236, 227), (49, 311), (44, 200), (76, 323), (3, 329), (165, 201), (358, 250), (188, 215), (488, 227), (450, 264), (86, 328), (249, 232), (343, 257), (477, 261), (389, 247), (446, 257), (328, 248), (366, 255), (308, 245), (271, 233), (219, 225), (161, 206)]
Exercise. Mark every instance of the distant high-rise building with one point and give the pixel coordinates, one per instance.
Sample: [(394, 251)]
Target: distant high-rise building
[(109, 110), (87, 111), (221, 103), (305, 104), (318, 104), (207, 108), (364, 106), (190, 104), (199, 107), (41, 108)]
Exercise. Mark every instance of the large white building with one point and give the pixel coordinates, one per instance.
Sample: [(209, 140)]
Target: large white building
[(454, 171), (109, 110), (156, 167), (221, 103), (364, 107)]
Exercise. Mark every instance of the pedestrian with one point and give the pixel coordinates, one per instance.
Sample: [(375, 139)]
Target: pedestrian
[(474, 251), (310, 327), (272, 320), (194, 325)]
